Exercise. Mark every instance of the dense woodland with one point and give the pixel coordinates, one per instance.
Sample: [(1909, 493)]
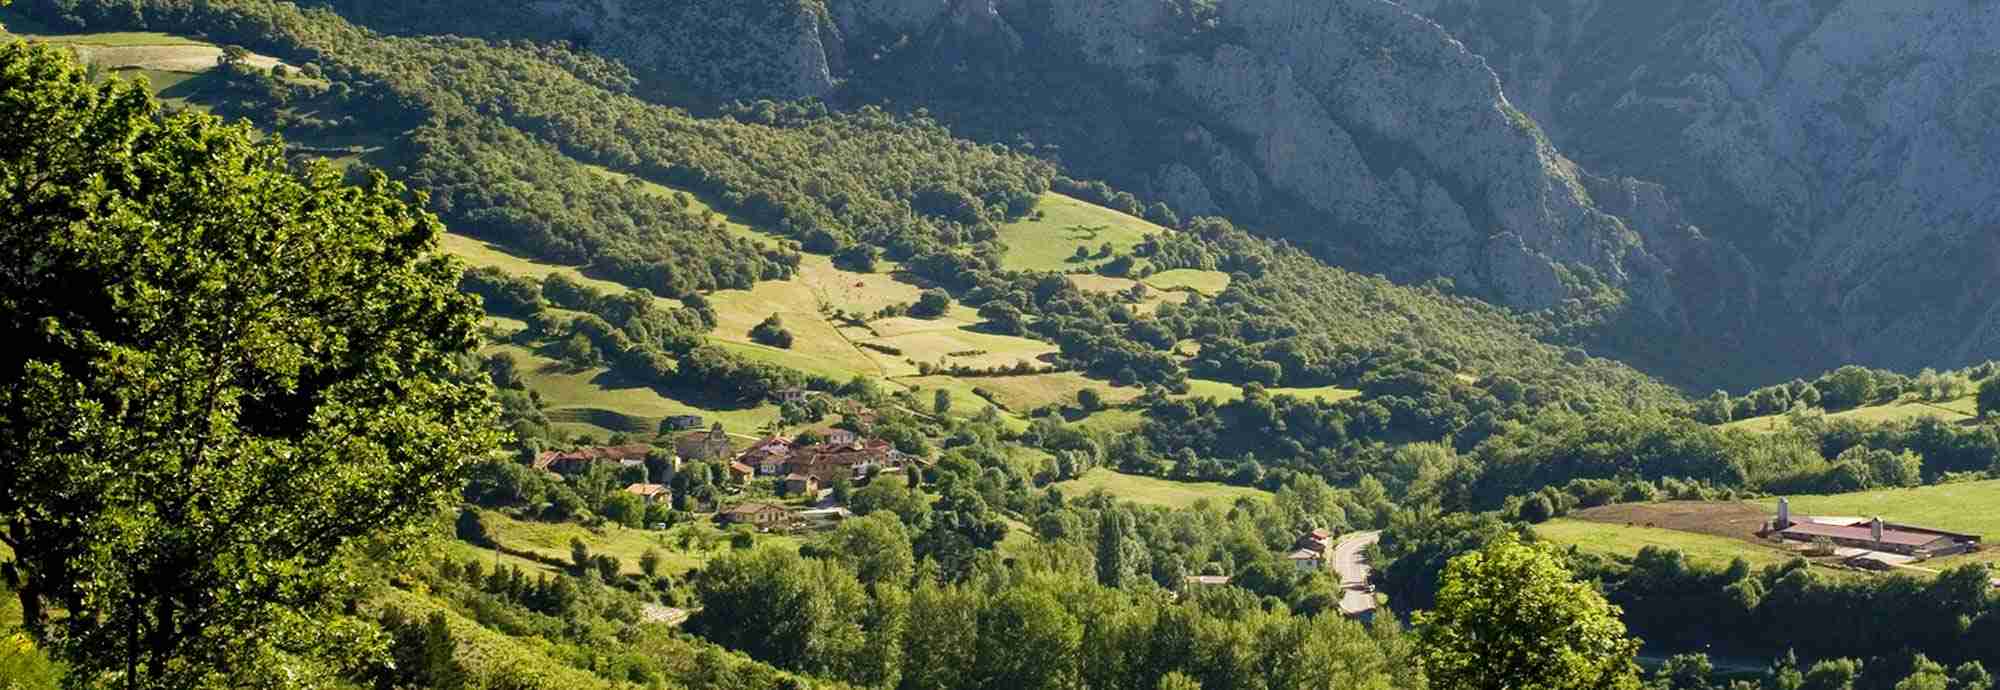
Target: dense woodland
[(142, 555)]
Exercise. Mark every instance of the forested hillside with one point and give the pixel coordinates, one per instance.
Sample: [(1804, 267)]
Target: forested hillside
[(1689, 232), (982, 344)]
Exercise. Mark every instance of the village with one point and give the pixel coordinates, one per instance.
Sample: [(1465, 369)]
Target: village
[(775, 483)]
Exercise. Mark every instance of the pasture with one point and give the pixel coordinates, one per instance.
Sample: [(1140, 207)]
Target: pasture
[(1959, 411), (592, 400), (1209, 283), (1024, 393), (1725, 529), (1615, 539), (1972, 507), (682, 548), (1158, 492), (1049, 242)]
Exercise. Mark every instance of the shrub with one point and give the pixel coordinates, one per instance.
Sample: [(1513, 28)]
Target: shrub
[(772, 332)]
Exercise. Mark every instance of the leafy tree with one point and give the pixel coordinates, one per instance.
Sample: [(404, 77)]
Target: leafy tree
[(223, 375), (1119, 556), (424, 653), (649, 562), (772, 332), (1026, 640), (1989, 397), (1090, 400), (471, 528), (941, 401), (876, 546), (579, 552), (1511, 616), (625, 508), (932, 304), (1003, 317), (1848, 386)]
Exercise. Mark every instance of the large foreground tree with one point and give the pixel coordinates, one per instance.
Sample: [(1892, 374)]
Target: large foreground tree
[(1511, 617), (221, 376)]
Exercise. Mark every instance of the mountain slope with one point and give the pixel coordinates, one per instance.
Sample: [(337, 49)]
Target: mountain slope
[(1849, 147)]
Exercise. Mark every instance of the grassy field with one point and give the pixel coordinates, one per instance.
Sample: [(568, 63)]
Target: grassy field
[(1725, 529), (571, 395), (1204, 282), (836, 348), (1626, 540), (1961, 411), (479, 253), (1158, 492), (1972, 507), (1048, 243), (1023, 393), (551, 540), (1324, 393)]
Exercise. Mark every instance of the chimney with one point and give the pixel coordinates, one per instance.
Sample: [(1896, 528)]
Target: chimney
[(1875, 528), (1784, 513)]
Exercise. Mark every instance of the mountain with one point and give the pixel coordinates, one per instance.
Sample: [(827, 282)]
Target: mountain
[(1847, 147), (1724, 190)]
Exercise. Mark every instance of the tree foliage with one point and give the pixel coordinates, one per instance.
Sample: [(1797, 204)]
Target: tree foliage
[(222, 375), (1511, 617)]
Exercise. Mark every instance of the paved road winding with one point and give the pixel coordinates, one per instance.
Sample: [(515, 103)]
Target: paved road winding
[(1356, 598)]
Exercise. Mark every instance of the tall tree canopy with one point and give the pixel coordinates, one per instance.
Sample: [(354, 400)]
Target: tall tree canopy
[(1511, 617), (221, 375)]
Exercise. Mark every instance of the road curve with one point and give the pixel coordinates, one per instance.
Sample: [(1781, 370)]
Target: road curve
[(1348, 562)]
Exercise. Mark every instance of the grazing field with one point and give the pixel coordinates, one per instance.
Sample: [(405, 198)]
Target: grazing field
[(1205, 282), (1159, 492), (1049, 243), (838, 348), (1960, 411), (551, 540), (1323, 393), (581, 398), (1972, 507), (1117, 420), (1626, 540), (1229, 392), (479, 253), (1024, 393), (1091, 282), (965, 347), (1704, 527)]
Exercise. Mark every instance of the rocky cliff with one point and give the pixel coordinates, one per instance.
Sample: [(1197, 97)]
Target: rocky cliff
[(716, 49), (1852, 147), (1741, 171)]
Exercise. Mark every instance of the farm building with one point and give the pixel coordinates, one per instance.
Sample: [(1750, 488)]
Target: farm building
[(1874, 535), (651, 493), (682, 422), (759, 514), (580, 460)]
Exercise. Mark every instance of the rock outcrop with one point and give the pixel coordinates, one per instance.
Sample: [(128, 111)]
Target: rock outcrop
[(718, 49), (1376, 117), (1823, 169), (1851, 147)]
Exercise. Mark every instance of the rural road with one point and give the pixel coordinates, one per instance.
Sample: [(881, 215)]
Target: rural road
[(1356, 599)]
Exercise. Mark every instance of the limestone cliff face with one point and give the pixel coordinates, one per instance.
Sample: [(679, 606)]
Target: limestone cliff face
[(1376, 117), (1852, 146), (1824, 168), (716, 48)]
